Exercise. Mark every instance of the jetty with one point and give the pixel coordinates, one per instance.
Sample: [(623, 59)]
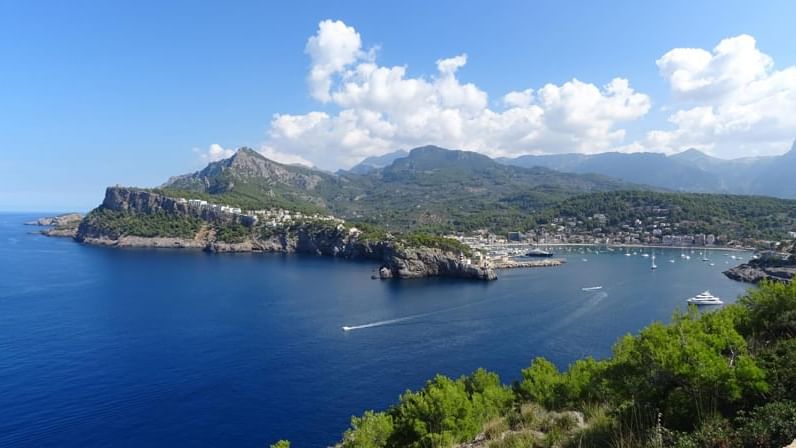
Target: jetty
[(538, 263)]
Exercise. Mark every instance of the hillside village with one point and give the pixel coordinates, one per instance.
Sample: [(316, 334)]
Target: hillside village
[(269, 217)]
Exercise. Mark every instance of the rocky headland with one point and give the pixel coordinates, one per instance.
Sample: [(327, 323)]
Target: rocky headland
[(130, 217), (755, 271), (64, 225)]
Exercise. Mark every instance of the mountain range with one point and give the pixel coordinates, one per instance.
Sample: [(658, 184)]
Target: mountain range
[(427, 187), (688, 171)]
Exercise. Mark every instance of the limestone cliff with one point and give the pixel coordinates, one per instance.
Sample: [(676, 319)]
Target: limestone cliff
[(395, 258)]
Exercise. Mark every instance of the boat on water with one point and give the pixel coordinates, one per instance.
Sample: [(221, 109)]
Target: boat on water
[(538, 253), (705, 298), (653, 266), (591, 288)]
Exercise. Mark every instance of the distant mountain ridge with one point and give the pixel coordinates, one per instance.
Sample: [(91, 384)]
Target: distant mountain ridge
[(428, 186), (369, 164), (688, 171)]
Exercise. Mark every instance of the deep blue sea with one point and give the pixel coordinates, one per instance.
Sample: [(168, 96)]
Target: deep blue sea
[(131, 347)]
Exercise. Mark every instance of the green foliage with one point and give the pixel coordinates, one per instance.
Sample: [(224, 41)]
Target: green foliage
[(719, 379), (490, 398), (773, 424), (778, 359), (439, 415), (772, 312), (370, 232), (281, 444), (444, 412), (541, 383), (689, 369), (713, 433), (232, 232), (158, 224), (419, 239), (737, 217), (581, 383), (372, 430)]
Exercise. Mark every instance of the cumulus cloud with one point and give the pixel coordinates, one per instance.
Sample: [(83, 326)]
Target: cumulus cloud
[(379, 108), (333, 48), (214, 152), (282, 157), (730, 101)]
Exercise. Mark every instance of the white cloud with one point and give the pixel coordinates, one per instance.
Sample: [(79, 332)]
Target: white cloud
[(731, 101), (333, 48), (214, 153), (518, 99), (281, 157), (379, 108)]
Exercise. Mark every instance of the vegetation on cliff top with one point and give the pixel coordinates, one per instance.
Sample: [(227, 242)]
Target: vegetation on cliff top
[(715, 379), (115, 224)]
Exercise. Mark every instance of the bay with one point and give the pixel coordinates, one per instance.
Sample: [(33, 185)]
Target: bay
[(131, 347)]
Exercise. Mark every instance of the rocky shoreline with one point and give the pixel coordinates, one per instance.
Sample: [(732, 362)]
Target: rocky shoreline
[(62, 226), (395, 259), (756, 271)]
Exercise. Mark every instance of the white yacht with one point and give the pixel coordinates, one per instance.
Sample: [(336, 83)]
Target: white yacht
[(653, 265), (705, 298)]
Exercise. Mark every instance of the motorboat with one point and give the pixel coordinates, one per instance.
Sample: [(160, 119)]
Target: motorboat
[(538, 253), (705, 298)]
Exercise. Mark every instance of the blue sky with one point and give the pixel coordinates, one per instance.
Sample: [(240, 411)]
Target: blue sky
[(98, 93)]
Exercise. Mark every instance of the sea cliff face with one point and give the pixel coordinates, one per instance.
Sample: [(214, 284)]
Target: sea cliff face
[(758, 270), (395, 259)]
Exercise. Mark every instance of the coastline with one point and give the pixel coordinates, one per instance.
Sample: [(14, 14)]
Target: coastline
[(184, 225), (657, 246)]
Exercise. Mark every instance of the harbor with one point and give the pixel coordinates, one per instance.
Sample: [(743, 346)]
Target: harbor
[(513, 263)]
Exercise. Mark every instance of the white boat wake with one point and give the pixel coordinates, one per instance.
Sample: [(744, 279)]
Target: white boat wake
[(380, 323), (406, 318)]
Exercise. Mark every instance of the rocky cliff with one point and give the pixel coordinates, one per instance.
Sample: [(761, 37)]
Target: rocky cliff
[(758, 270), (395, 258), (60, 226)]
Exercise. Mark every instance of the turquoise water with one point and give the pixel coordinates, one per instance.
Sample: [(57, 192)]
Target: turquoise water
[(127, 347)]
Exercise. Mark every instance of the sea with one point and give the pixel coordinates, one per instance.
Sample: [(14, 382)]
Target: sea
[(164, 347)]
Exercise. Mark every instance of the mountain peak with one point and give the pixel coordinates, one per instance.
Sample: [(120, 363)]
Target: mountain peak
[(691, 153), (245, 152)]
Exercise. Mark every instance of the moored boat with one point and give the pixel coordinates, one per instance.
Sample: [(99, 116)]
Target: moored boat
[(705, 298)]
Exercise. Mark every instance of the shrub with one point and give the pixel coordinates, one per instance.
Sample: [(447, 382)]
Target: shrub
[(372, 430), (773, 424)]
